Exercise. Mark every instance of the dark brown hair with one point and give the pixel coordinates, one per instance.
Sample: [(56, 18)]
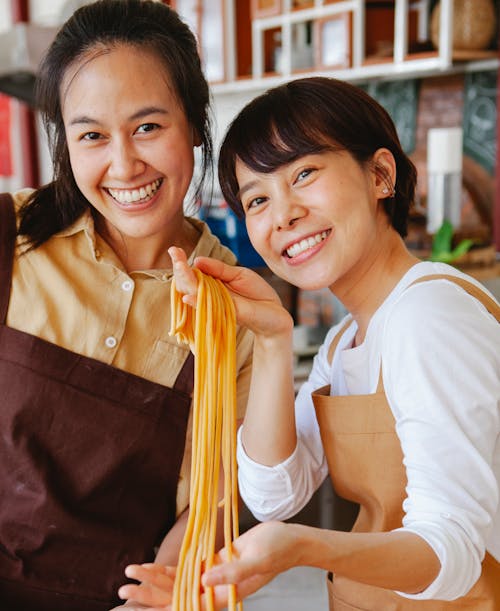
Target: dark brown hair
[(145, 24), (308, 116)]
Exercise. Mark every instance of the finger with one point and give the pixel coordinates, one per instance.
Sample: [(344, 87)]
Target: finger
[(145, 594), (155, 574), (217, 268), (177, 254), (228, 573), (185, 278), (240, 280)]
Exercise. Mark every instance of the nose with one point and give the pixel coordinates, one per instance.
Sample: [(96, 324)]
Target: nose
[(286, 214), (124, 161)]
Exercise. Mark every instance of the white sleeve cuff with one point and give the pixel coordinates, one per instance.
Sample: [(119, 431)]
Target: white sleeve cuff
[(281, 491), (460, 564)]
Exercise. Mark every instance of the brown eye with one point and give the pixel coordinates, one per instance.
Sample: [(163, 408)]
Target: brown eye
[(304, 174), (91, 136), (255, 202), (147, 127)]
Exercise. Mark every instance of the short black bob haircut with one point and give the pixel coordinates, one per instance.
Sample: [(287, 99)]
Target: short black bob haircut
[(309, 116)]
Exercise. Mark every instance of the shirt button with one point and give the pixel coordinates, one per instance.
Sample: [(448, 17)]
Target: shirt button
[(110, 341), (127, 285)]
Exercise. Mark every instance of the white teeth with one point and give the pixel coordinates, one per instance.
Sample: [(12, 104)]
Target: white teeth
[(125, 196), (299, 247)]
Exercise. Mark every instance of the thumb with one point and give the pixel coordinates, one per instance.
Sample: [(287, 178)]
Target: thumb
[(228, 573)]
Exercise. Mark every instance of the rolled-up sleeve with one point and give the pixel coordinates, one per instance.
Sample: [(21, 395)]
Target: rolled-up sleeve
[(443, 384), (281, 491)]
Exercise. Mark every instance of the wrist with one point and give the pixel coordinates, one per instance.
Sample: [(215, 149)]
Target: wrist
[(280, 336), (309, 544)]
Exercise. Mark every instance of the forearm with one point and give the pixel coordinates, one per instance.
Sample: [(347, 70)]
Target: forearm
[(168, 553), (269, 433), (397, 560)]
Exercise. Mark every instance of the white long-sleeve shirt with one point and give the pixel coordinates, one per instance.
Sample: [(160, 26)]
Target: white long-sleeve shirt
[(440, 354)]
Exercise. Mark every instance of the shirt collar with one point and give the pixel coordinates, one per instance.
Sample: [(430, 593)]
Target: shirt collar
[(85, 223)]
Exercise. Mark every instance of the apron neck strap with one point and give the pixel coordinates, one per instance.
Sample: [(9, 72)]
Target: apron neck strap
[(489, 303), (336, 339)]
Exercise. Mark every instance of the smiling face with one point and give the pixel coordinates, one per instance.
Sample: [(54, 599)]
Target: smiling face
[(316, 220), (130, 144)]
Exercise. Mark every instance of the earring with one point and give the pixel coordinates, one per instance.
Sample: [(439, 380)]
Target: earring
[(389, 192), (385, 190)]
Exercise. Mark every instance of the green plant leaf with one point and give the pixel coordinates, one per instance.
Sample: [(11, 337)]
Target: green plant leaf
[(441, 242), (441, 245), (461, 248)]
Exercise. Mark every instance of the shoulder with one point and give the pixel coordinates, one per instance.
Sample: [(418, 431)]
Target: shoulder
[(438, 317), (20, 198), (424, 293)]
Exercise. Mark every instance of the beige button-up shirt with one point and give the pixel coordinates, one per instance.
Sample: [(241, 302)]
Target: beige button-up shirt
[(73, 291)]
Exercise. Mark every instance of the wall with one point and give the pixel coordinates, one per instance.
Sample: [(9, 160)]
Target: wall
[(8, 135)]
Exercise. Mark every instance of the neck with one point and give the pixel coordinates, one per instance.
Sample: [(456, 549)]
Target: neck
[(150, 252), (366, 288)]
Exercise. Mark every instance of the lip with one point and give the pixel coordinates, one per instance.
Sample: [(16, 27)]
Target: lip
[(309, 251), (140, 204)]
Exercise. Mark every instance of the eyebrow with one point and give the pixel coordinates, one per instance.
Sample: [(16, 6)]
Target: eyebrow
[(140, 114), (246, 187)]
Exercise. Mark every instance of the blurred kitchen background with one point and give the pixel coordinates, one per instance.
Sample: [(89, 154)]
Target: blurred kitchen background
[(434, 65)]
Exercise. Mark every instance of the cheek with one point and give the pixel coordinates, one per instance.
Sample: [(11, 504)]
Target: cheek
[(83, 167), (257, 233), (89, 170)]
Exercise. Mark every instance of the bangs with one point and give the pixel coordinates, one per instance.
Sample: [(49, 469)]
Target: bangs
[(281, 132)]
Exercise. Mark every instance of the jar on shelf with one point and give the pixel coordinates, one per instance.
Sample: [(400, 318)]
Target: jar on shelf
[(474, 24)]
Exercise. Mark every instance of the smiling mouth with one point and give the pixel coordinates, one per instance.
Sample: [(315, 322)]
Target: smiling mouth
[(305, 244), (134, 196)]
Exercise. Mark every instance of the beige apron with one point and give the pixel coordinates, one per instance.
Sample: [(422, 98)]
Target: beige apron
[(366, 466)]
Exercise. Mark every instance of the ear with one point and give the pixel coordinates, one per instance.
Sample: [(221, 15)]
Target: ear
[(384, 170)]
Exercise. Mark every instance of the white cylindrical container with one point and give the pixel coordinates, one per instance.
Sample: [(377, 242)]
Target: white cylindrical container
[(444, 174)]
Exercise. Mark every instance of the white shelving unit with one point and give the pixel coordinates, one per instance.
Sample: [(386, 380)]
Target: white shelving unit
[(401, 64)]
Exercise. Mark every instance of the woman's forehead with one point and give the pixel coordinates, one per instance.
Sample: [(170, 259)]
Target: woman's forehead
[(130, 73), (129, 54)]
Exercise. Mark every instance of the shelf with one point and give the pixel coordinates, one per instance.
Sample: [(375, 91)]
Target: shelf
[(277, 39), (382, 71)]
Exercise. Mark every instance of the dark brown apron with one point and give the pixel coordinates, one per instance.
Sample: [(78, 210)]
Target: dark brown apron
[(365, 461), (89, 464)]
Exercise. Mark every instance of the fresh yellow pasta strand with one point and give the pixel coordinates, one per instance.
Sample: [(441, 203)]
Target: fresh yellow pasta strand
[(210, 330)]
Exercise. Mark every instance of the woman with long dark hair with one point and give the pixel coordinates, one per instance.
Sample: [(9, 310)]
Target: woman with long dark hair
[(95, 418)]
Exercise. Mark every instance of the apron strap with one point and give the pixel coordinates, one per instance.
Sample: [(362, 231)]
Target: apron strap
[(336, 339), (490, 304), (8, 231), (469, 287)]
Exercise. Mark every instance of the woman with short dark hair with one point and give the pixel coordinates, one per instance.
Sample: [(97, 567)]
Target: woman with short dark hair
[(401, 408)]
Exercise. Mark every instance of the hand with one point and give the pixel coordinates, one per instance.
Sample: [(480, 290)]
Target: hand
[(134, 606), (258, 306), (156, 588), (259, 555), (153, 593)]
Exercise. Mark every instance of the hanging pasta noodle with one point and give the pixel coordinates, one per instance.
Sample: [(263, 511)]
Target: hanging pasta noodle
[(210, 330)]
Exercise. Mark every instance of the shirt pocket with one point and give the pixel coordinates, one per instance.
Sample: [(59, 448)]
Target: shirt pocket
[(165, 362)]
